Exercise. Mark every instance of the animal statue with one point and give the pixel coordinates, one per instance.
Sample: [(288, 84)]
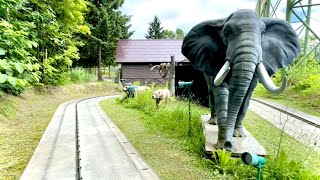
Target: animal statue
[(235, 53), (163, 69), (129, 90), (161, 95)]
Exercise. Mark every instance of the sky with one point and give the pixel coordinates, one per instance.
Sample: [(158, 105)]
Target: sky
[(185, 14)]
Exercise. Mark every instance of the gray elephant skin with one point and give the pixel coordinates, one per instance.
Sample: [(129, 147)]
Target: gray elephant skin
[(235, 54)]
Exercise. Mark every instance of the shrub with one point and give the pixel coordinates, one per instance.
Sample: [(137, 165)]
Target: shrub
[(81, 75)]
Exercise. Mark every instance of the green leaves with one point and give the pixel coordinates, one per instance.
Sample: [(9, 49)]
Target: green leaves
[(3, 78), (15, 77), (19, 67), (2, 51)]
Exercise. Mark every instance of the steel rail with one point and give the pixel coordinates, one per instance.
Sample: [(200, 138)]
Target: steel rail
[(288, 113)]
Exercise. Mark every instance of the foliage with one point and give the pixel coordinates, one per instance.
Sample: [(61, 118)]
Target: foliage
[(284, 168), (178, 34), (81, 75), (15, 77), (303, 85), (171, 120), (223, 159), (38, 36), (155, 31), (108, 25)]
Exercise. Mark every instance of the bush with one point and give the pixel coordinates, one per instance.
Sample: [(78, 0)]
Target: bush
[(76, 75)]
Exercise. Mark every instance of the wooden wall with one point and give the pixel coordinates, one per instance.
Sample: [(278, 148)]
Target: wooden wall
[(141, 72)]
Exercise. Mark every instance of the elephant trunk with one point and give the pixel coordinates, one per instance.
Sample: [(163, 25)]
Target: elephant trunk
[(243, 69)]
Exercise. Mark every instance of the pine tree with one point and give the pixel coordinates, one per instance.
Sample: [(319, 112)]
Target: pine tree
[(155, 31)]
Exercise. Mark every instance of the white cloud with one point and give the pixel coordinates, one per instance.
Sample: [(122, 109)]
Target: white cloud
[(185, 14)]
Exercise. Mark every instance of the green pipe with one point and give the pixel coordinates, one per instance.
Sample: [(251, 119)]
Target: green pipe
[(289, 11)]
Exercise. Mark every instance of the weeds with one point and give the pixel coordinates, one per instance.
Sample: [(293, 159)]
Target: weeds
[(172, 120)]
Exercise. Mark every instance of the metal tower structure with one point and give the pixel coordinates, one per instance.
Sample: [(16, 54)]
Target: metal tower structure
[(265, 8)]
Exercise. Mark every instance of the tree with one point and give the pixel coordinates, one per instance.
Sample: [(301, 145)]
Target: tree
[(108, 25), (37, 41), (155, 31), (168, 34), (178, 34)]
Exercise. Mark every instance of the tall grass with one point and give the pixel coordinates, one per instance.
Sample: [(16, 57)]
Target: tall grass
[(81, 75), (171, 119)]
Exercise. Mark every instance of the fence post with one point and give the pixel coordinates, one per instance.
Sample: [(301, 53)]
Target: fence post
[(172, 76)]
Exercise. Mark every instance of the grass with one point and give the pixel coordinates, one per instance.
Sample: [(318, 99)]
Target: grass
[(160, 135), (276, 142), (24, 118), (303, 92)]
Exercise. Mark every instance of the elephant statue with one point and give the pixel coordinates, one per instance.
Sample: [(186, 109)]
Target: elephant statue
[(234, 54)]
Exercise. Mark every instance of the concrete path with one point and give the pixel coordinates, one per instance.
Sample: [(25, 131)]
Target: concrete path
[(103, 151), (301, 131)]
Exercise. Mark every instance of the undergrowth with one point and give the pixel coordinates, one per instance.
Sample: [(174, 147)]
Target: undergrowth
[(172, 120)]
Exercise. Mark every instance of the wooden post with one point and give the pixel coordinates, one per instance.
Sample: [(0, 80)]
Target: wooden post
[(99, 65), (172, 76)]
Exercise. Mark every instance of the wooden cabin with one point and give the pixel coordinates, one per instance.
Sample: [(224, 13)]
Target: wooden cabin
[(138, 56)]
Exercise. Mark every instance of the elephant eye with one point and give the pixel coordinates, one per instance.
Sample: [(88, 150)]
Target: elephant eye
[(225, 32)]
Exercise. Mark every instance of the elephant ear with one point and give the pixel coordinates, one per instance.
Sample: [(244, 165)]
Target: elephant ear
[(203, 47), (280, 45)]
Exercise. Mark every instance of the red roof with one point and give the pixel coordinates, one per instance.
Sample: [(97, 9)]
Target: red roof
[(148, 50)]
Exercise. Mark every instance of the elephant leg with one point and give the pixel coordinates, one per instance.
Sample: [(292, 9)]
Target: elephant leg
[(238, 131), (221, 94), (213, 118)]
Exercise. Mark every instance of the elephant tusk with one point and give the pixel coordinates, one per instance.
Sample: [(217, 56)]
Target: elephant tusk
[(267, 82), (222, 73)]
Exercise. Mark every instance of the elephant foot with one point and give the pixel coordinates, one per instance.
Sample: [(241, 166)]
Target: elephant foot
[(219, 144), (228, 146), (238, 132), (213, 120)]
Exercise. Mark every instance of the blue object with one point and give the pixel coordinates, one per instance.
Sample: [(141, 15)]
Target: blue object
[(253, 160), (131, 90), (183, 84)]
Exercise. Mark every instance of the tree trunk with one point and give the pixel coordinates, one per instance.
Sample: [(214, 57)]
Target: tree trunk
[(99, 65), (109, 72)]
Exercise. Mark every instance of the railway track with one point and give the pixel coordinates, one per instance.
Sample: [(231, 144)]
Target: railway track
[(311, 121), (81, 142), (303, 127)]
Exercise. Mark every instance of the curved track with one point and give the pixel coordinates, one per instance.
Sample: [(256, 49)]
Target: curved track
[(81, 142)]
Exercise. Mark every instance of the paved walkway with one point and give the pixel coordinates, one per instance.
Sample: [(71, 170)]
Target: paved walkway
[(301, 131), (104, 152)]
